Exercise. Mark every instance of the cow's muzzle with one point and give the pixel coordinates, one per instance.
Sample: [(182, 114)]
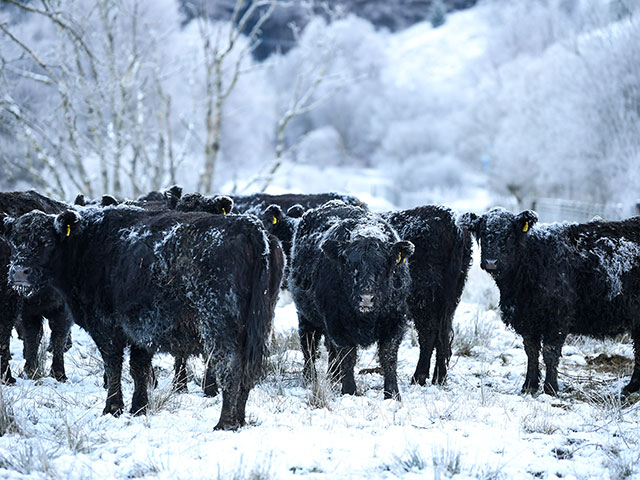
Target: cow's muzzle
[(19, 275), (490, 265), (366, 302)]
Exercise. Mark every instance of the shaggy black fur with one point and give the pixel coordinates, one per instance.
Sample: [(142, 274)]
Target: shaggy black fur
[(184, 283), (258, 202), (562, 278), (26, 314), (438, 269), (350, 282), (194, 202)]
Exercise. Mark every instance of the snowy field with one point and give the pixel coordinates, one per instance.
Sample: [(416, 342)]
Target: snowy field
[(476, 426)]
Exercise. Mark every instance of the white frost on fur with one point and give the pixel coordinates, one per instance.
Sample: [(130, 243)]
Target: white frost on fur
[(134, 234), (625, 256), (369, 230), (168, 235)]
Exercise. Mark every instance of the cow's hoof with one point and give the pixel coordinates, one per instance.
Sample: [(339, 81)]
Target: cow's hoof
[(8, 381), (137, 411), (393, 396), (113, 409), (227, 424), (419, 379), (210, 390), (59, 376)]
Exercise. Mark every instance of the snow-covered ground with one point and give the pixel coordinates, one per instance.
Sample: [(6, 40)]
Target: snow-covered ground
[(476, 426)]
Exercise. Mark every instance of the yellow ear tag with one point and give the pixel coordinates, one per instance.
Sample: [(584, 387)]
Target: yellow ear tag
[(526, 227), (400, 259), (68, 230), (274, 220), (224, 212)]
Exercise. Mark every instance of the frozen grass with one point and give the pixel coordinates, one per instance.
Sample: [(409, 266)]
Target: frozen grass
[(476, 426)]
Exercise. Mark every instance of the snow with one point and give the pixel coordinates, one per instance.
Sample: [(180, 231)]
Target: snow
[(476, 426)]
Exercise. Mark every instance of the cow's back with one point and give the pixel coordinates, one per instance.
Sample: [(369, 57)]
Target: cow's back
[(153, 270), (256, 203), (607, 276)]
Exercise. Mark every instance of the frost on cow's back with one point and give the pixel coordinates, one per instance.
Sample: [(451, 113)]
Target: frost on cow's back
[(615, 256)]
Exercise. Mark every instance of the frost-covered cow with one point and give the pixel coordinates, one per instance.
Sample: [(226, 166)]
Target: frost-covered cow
[(184, 283), (256, 203), (559, 279), (350, 280), (27, 313), (438, 269)]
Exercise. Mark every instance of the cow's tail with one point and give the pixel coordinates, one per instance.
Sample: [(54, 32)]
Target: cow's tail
[(267, 277)]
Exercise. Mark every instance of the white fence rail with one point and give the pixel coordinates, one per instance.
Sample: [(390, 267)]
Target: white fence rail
[(558, 210)]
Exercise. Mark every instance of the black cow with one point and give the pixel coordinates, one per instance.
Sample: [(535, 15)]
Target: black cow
[(350, 281), (185, 283), (439, 270), (26, 314), (195, 202), (559, 279), (256, 203)]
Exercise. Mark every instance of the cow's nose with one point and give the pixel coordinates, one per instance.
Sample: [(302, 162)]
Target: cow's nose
[(490, 265), (366, 302), (19, 274)]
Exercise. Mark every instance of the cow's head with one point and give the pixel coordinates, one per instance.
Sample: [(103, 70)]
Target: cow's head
[(499, 233), (367, 266), (35, 239), (194, 202), (282, 225)]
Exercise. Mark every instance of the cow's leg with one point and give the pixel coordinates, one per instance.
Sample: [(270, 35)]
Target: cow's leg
[(32, 335), (140, 367), (388, 353), (243, 396), (60, 322), (427, 341), (347, 357), (209, 383), (180, 379), (443, 348), (634, 383), (309, 338), (551, 353), (333, 366), (532, 380), (230, 371), (112, 353), (5, 352)]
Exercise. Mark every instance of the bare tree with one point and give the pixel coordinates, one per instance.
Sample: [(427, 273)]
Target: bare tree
[(224, 56), (107, 81)]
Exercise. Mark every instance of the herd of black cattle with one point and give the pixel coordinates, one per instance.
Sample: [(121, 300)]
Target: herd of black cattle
[(195, 275)]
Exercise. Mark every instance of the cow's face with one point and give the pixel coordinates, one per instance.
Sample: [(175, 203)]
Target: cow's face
[(366, 267), (35, 238), (499, 234), (282, 225)]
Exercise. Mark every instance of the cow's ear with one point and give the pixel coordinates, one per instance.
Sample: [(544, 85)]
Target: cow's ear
[(108, 200), (222, 205), (80, 201), (68, 223), (295, 211), (469, 221), (403, 250), (525, 220), (272, 215), (172, 195), (6, 223), (332, 249)]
